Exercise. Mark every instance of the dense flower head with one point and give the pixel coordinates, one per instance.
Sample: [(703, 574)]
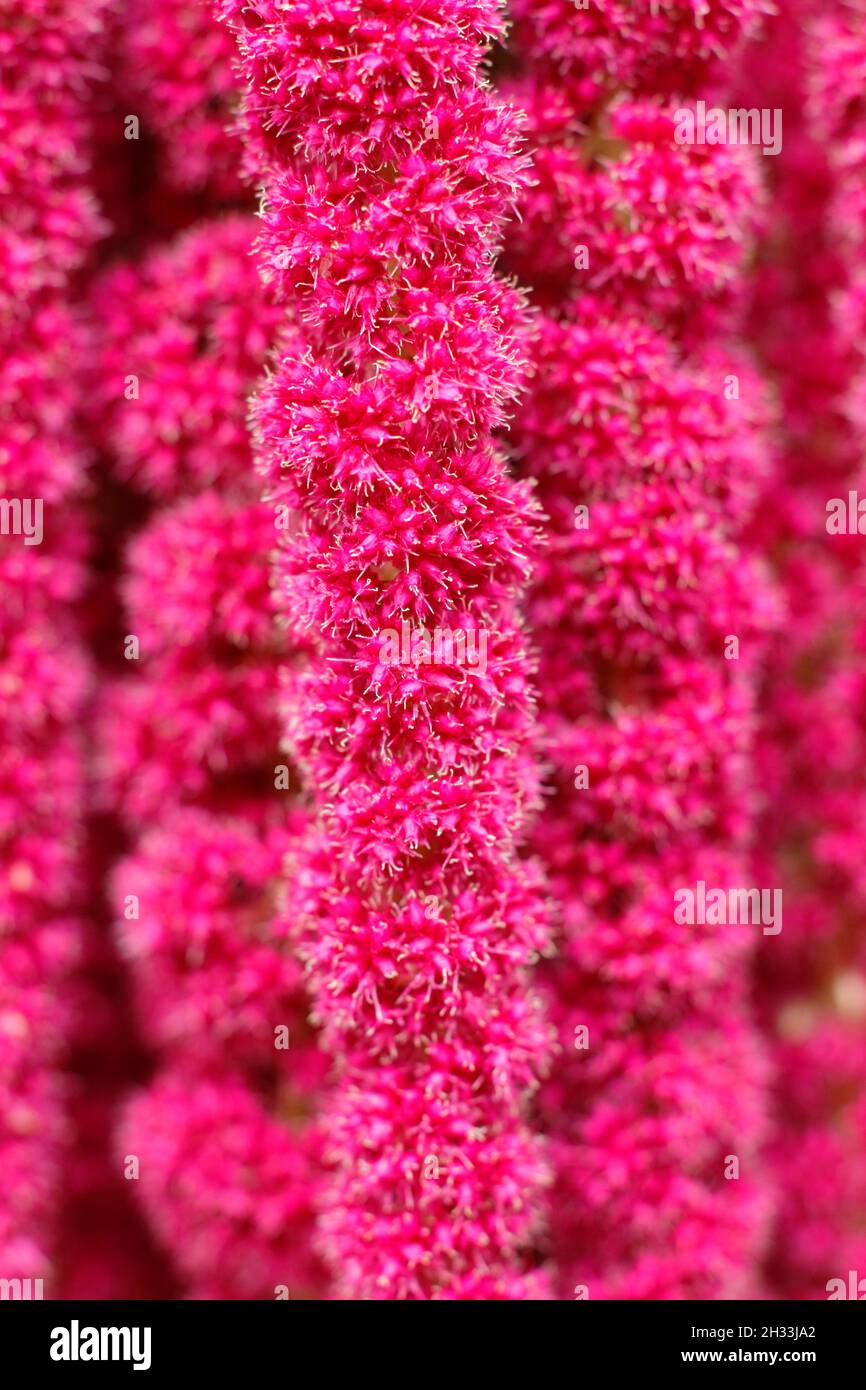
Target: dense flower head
[(646, 471), (818, 1143), (834, 83), (200, 706), (462, 1177), (42, 571), (37, 397), (339, 77), (804, 265), (184, 728), (58, 35), (599, 46), (226, 1185), (365, 573), (693, 208), (639, 414), (657, 1218), (195, 904), (40, 873), (33, 1124), (443, 723), (406, 960), (179, 71), (349, 235), (624, 942), (321, 427), (48, 223), (838, 112), (623, 207), (634, 585), (204, 557), (185, 334), (662, 771), (50, 219), (457, 579)]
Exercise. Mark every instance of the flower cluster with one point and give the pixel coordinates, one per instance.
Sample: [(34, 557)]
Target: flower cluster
[(178, 80), (643, 430), (388, 168), (645, 46), (226, 1180)]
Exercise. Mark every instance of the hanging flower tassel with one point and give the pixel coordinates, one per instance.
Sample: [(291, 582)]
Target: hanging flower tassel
[(642, 429), (48, 225), (388, 169)]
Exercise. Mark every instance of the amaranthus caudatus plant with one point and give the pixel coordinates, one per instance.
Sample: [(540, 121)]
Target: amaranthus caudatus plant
[(440, 598)]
